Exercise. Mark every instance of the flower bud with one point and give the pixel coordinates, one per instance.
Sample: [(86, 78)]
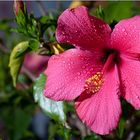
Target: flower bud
[(18, 5)]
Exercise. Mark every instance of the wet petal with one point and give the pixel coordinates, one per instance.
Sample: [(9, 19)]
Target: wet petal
[(67, 73), (101, 111), (77, 27), (130, 75), (126, 35)]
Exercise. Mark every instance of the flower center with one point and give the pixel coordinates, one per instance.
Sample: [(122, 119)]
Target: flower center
[(94, 83)]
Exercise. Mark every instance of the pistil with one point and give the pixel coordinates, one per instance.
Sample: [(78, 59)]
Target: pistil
[(108, 62)]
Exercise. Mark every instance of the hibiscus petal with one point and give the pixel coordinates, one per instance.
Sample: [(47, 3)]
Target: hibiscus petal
[(77, 27), (126, 35), (130, 75), (67, 73), (101, 111)]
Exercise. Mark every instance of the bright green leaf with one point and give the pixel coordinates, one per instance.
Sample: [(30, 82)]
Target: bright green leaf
[(34, 44), (43, 19), (53, 108), (21, 18), (16, 59), (118, 10)]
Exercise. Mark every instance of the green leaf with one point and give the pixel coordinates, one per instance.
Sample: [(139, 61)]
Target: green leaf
[(92, 137), (53, 108), (34, 44), (5, 24), (16, 59), (44, 23), (100, 12), (118, 10), (121, 128), (26, 25), (21, 18)]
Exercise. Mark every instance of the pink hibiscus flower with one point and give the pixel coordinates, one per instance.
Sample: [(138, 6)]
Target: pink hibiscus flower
[(103, 67)]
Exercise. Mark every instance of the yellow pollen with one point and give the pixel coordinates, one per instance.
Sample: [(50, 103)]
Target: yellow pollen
[(94, 83)]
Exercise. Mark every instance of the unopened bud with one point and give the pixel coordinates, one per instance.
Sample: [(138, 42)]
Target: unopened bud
[(18, 5)]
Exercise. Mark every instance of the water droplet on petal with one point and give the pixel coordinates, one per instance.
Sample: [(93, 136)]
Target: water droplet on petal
[(79, 73), (125, 33), (137, 97), (72, 62), (84, 72), (83, 67), (123, 29)]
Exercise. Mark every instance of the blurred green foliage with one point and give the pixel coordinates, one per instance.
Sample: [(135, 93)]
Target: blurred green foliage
[(118, 10)]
